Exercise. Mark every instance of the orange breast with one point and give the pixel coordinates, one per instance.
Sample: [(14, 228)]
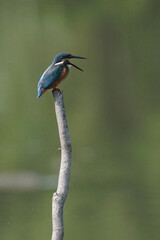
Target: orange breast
[(63, 75)]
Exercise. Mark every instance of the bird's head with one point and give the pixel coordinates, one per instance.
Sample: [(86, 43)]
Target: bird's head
[(64, 58)]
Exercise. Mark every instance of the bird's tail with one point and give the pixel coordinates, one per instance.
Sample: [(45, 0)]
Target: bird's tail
[(39, 93)]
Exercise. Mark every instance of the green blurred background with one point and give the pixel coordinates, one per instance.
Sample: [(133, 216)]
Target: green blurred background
[(112, 111)]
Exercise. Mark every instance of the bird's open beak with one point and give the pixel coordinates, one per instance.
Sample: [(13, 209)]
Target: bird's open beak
[(77, 57), (75, 65)]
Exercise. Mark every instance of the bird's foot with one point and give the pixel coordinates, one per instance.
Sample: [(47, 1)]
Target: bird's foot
[(57, 89)]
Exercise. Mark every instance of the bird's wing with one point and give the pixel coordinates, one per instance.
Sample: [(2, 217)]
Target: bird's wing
[(50, 76)]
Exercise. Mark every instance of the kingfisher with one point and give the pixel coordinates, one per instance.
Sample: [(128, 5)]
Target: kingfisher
[(56, 72)]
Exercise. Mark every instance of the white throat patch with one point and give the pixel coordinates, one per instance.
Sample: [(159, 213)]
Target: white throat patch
[(59, 63)]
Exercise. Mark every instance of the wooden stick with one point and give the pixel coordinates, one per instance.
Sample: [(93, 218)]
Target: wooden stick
[(60, 195)]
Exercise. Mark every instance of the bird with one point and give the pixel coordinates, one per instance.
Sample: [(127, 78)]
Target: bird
[(56, 72)]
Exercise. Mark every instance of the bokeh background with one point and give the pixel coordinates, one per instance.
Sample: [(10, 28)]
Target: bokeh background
[(112, 111)]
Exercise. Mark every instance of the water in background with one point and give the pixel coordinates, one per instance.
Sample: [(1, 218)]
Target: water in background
[(112, 111)]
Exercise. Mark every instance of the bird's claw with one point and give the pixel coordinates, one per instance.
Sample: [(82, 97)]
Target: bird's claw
[(57, 89)]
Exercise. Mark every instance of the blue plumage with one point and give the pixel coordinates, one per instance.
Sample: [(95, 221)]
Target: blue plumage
[(54, 74), (61, 56)]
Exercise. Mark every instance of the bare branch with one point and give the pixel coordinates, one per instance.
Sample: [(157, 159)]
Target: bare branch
[(60, 195)]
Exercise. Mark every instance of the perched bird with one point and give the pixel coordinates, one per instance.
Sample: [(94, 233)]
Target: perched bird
[(56, 72)]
